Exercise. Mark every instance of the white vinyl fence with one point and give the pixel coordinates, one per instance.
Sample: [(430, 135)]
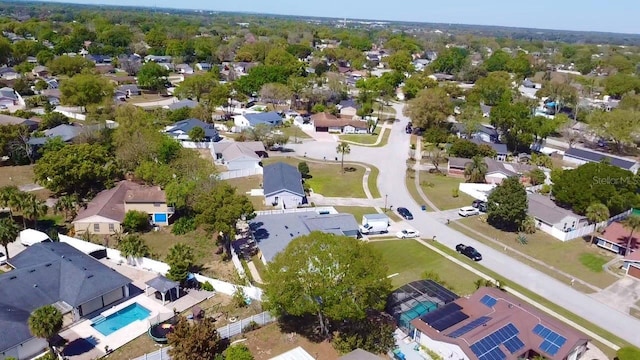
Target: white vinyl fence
[(583, 231), (232, 174), (225, 332)]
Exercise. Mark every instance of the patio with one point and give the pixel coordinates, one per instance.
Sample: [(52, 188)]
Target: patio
[(244, 245), (408, 347)]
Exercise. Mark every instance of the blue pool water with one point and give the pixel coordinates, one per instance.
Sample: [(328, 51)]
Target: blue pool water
[(121, 318)]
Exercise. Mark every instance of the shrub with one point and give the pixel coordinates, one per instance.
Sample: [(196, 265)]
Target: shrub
[(136, 221), (545, 189), (455, 193), (183, 226), (252, 325), (628, 353), (207, 286), (239, 298), (303, 167)]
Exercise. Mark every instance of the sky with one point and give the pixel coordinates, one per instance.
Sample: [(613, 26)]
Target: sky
[(584, 15)]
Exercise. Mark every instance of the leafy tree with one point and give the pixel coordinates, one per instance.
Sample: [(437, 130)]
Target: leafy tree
[(621, 126), (152, 76), (303, 167), (196, 86), (13, 141), (631, 223), (274, 93), (196, 134), (450, 61), (85, 89), (9, 231), (45, 322), (281, 58), (33, 208), (180, 260), (498, 61), (463, 148), (619, 84), (335, 278), (67, 205), (53, 119), (512, 121), (343, 149), (596, 182), (430, 108), (238, 352), (260, 75), (195, 341), (628, 353), (521, 66), (5, 50), (537, 177), (475, 170), (133, 246), (630, 102), (493, 89), (507, 205), (300, 51), (400, 61), (415, 83), (77, 169), (597, 213), (69, 65), (135, 221), (375, 334), (562, 94), (436, 156), (10, 197)]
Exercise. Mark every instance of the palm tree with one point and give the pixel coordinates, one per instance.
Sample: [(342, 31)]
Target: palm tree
[(597, 213), (33, 208), (476, 170), (343, 149), (8, 233), (19, 203), (45, 322), (66, 204), (132, 247), (7, 196), (632, 223)]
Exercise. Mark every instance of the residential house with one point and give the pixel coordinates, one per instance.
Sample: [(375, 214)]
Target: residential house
[(32, 60), (492, 324), (52, 83), (325, 122), (129, 90), (282, 185), (239, 155), (99, 59), (65, 132), (485, 133), (580, 156), (250, 120), (181, 104), (167, 66), (531, 85), (8, 73), (14, 120), (53, 96), (9, 97), (184, 69), (631, 264), (431, 55), (297, 353), (500, 149), (421, 64), (180, 130), (104, 214), (441, 77), (551, 218), (497, 171), (359, 354), (615, 238), (348, 108), (158, 59), (40, 71), (52, 273), (273, 232), (204, 66)]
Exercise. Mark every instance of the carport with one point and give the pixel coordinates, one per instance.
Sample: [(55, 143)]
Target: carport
[(162, 285)]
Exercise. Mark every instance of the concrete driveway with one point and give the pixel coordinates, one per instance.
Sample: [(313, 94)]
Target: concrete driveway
[(622, 295), (391, 160)]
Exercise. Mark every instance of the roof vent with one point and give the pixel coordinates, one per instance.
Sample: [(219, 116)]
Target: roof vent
[(49, 264), (90, 276), (62, 256), (32, 270), (13, 277), (286, 226), (35, 285)]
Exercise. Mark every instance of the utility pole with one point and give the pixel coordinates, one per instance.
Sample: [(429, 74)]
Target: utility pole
[(385, 202)]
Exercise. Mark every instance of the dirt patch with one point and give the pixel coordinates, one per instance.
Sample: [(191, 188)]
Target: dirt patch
[(270, 341), (16, 175), (205, 154)]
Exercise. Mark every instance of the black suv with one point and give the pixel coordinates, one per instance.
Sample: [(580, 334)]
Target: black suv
[(469, 252), (405, 213)]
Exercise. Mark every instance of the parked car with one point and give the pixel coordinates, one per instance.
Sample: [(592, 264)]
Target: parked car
[(469, 252), (405, 213), (482, 207), (476, 202), (407, 233), (3, 258), (468, 211), (408, 129)]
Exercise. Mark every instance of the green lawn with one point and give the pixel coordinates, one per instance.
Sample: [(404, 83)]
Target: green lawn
[(327, 179), (245, 184), (373, 182), (569, 256), (439, 189), (410, 260), (365, 139), (356, 211), (410, 182), (294, 132)]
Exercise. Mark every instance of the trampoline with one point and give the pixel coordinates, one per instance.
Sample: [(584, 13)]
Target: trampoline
[(159, 332)]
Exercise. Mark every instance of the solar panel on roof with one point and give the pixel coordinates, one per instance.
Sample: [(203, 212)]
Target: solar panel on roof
[(551, 340), (493, 354), (514, 344), (440, 313), (488, 301), (449, 320), (485, 348), (470, 326)]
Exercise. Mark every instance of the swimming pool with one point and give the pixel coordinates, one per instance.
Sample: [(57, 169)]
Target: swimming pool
[(121, 318)]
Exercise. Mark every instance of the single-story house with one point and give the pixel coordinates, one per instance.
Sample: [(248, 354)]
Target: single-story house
[(239, 155), (615, 238), (204, 66), (273, 232), (64, 131), (181, 104), (249, 120), (325, 122), (184, 69), (500, 149), (57, 274), (492, 324), (582, 156), (158, 59), (282, 185), (40, 71), (549, 216), (180, 130), (531, 85), (14, 120), (8, 97), (421, 64), (167, 66), (497, 171), (297, 353), (441, 77), (52, 83), (130, 90), (104, 214), (99, 59), (8, 73), (348, 108), (484, 133), (632, 264)]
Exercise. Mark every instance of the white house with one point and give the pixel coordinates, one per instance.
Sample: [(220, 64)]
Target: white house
[(239, 155), (250, 119), (282, 184)]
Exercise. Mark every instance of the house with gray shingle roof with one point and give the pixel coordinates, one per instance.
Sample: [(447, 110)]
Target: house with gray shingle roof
[(180, 130), (182, 104), (248, 120), (282, 185), (548, 215), (65, 132), (239, 155), (582, 156), (55, 274)]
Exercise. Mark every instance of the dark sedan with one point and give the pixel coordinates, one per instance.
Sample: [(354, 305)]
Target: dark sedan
[(405, 213)]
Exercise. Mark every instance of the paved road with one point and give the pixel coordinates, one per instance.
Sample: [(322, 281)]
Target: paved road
[(391, 160)]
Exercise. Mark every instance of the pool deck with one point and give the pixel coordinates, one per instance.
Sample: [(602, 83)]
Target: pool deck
[(407, 346)]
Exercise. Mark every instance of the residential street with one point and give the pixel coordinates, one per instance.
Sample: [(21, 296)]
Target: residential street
[(391, 161)]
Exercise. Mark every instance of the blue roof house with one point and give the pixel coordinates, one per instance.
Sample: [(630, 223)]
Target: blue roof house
[(282, 185), (180, 130), (248, 120), (64, 131), (582, 156)]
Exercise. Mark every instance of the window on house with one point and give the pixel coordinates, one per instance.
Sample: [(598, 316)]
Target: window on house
[(112, 227), (96, 227), (275, 199), (156, 204)]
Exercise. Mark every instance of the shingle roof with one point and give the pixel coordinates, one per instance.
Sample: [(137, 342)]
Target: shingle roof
[(64, 132), (182, 103), (269, 118), (281, 176), (482, 128), (616, 233), (184, 126), (14, 120), (273, 232), (8, 93), (231, 150), (593, 156), (44, 274), (499, 148), (543, 208)]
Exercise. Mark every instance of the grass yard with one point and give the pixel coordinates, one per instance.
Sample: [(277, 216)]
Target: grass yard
[(373, 182), (245, 184), (294, 132), (204, 249), (327, 179), (356, 211), (439, 189), (270, 341), (413, 191), (260, 266), (411, 260), (16, 175), (365, 139), (575, 257)]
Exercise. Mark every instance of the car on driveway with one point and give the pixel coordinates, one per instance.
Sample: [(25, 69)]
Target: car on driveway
[(476, 203), (468, 211), (405, 213), (3, 258), (469, 252), (407, 233), (482, 207)]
